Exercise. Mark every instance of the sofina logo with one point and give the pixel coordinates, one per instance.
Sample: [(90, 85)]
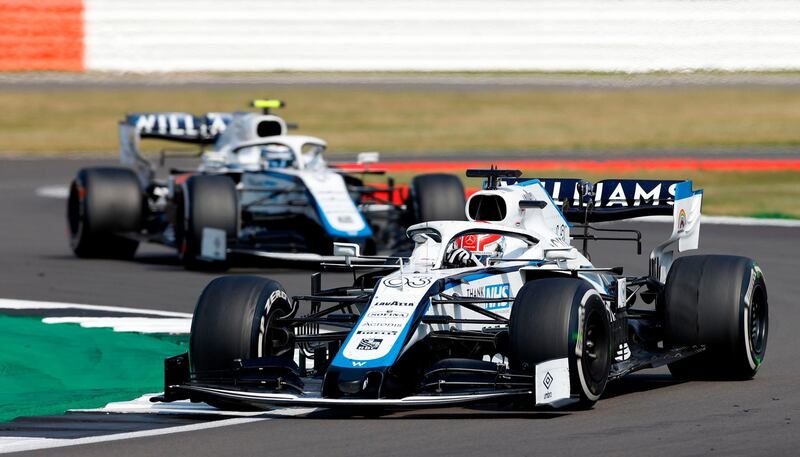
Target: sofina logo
[(682, 221)]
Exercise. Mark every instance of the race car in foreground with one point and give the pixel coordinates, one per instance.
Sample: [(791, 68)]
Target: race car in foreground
[(500, 307), (258, 191)]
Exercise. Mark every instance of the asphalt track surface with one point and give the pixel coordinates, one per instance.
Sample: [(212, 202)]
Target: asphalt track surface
[(646, 414)]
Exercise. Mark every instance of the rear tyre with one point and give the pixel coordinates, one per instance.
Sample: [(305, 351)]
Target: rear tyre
[(437, 197), (721, 302), (102, 204), (235, 319), (207, 201), (554, 318)]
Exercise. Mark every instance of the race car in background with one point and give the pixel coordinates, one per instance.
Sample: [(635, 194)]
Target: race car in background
[(499, 307), (257, 191)]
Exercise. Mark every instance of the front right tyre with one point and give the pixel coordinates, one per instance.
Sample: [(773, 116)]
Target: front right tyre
[(563, 317), (205, 201)]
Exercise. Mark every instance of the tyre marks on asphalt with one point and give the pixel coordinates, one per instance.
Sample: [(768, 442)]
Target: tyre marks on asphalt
[(88, 428), (137, 418)]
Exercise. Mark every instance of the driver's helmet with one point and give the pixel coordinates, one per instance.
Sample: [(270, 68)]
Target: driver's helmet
[(263, 156), (276, 156), (483, 245)]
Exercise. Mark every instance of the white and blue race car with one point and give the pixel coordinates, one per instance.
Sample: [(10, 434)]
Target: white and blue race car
[(257, 191), (499, 307)]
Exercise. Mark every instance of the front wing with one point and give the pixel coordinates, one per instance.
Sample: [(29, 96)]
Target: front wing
[(314, 399)]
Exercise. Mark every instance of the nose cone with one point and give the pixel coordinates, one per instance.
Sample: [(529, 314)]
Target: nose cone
[(355, 384)]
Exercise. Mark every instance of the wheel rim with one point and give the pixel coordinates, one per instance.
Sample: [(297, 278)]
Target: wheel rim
[(758, 321), (273, 341), (595, 348)]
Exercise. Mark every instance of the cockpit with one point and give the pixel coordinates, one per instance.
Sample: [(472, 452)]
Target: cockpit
[(469, 247), (284, 152)]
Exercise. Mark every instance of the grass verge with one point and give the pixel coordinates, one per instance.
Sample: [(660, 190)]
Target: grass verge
[(416, 120), (49, 368)]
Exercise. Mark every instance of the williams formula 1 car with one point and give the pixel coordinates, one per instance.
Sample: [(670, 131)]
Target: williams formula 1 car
[(257, 191), (501, 307)]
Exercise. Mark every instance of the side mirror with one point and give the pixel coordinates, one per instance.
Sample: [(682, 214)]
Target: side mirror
[(560, 254), (346, 249), (368, 157)]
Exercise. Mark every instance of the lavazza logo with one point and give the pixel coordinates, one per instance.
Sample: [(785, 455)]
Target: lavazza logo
[(392, 303), (369, 344)]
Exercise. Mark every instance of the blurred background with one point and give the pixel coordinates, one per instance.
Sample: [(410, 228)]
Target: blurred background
[(571, 80), (707, 90)]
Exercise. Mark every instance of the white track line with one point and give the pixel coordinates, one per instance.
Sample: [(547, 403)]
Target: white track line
[(128, 324), (17, 444), (60, 192), (8, 303), (143, 405)]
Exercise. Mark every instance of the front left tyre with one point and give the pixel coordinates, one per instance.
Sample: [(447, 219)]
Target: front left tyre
[(103, 205), (235, 319)]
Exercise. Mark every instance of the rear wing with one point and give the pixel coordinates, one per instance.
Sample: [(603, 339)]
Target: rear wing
[(611, 199), (180, 127), (619, 199), (183, 127)]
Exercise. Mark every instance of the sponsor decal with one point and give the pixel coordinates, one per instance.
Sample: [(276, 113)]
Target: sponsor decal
[(369, 344), (552, 381), (614, 192), (682, 221), (388, 314), (358, 364), (376, 332), (410, 281), (547, 381), (492, 291), (392, 303), (623, 353), (381, 324), (182, 125)]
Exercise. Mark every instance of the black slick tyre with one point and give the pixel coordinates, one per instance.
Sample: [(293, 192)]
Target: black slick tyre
[(206, 201), (555, 318), (719, 301), (235, 319), (103, 204), (437, 197)]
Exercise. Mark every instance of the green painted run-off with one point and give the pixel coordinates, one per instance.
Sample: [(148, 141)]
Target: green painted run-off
[(49, 368)]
